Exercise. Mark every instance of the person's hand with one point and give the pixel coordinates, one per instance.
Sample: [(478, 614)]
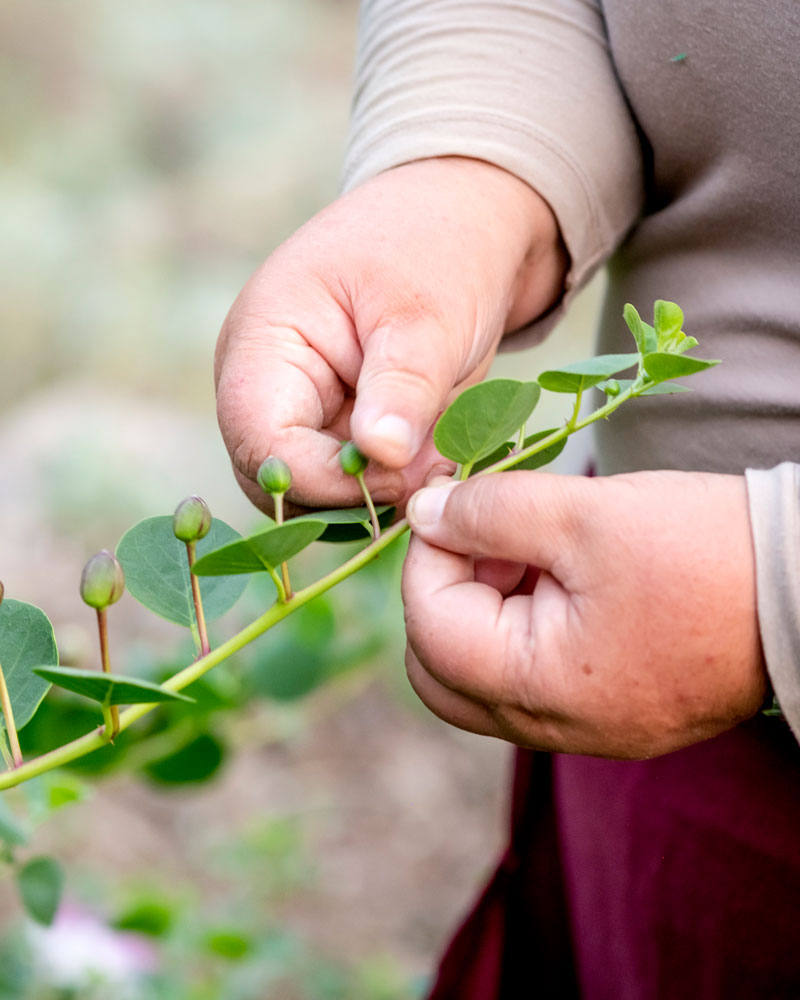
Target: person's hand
[(640, 635), (367, 319)]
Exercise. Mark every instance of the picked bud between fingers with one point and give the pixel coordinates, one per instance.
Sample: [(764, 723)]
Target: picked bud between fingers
[(352, 461), (274, 475), (102, 580), (191, 520)]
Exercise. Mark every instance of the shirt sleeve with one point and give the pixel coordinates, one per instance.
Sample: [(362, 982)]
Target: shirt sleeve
[(528, 85), (774, 500)]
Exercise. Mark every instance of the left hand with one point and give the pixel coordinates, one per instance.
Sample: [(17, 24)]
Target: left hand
[(640, 635)]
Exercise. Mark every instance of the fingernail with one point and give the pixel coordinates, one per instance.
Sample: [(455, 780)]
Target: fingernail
[(427, 505), (396, 432)]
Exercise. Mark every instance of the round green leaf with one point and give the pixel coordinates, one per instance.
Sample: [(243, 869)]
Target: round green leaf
[(667, 319), (157, 571), (265, 550), (536, 461), (108, 689), (546, 455), (661, 366), (289, 671), (584, 374), (40, 883), (351, 524), (196, 761), (482, 417), (26, 640)]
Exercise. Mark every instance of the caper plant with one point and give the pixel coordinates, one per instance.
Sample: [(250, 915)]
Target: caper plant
[(191, 568)]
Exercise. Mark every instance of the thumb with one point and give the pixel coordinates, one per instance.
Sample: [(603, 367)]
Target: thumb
[(406, 379), (529, 517)]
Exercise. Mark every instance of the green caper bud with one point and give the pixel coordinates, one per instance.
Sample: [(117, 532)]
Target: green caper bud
[(274, 475), (191, 520), (351, 460), (611, 387), (102, 580)]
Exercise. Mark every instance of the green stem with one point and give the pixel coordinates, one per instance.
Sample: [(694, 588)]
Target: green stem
[(376, 527), (8, 717), (110, 723), (569, 428), (102, 628), (576, 410), (464, 470), (277, 499), (96, 739), (276, 579), (202, 631)]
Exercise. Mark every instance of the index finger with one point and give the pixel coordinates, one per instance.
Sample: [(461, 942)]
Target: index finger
[(277, 394)]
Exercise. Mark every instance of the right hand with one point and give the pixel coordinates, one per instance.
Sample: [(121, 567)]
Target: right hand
[(366, 320)]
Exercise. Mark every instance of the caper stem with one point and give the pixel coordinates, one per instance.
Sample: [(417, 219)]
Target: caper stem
[(111, 725), (8, 716), (105, 659), (198, 600), (287, 583), (373, 514)]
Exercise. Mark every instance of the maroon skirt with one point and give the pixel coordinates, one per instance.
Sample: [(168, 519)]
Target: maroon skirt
[(671, 878)]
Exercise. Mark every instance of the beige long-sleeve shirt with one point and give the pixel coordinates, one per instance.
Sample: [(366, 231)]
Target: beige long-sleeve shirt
[(665, 135)]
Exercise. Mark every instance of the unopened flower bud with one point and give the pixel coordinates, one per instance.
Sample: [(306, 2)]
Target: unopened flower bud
[(191, 520), (274, 475), (102, 580), (611, 387), (351, 460)]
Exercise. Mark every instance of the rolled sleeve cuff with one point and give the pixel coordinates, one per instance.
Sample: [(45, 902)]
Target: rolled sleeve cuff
[(774, 501)]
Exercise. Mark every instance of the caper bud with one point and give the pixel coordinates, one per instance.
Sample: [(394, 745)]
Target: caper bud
[(351, 460), (191, 520), (102, 580), (274, 475)]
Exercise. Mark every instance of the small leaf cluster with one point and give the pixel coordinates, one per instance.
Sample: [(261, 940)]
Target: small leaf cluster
[(475, 429)]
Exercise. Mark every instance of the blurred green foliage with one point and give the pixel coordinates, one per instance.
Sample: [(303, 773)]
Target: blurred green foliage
[(234, 947)]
